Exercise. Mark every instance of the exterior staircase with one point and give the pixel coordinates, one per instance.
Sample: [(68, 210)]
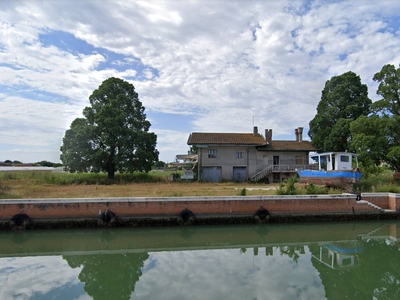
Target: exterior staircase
[(279, 168), (262, 174), (372, 205), (382, 210)]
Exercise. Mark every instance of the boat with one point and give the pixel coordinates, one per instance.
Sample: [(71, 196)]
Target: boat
[(333, 169)]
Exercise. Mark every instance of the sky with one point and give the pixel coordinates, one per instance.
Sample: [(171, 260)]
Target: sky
[(197, 65)]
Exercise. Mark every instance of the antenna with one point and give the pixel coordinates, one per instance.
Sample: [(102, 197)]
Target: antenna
[(253, 121)]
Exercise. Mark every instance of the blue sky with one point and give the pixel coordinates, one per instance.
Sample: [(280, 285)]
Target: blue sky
[(210, 66)]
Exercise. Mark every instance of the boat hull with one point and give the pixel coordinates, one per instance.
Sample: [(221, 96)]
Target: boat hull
[(343, 179)]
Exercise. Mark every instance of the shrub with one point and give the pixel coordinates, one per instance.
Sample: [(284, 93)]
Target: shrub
[(288, 187), (312, 189), (388, 188), (242, 192)]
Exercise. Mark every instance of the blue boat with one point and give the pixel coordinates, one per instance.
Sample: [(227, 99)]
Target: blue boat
[(333, 169)]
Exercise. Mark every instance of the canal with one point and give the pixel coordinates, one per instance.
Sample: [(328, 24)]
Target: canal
[(349, 260)]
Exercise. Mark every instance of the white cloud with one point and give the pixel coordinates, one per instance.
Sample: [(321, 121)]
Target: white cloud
[(222, 62), (29, 276), (171, 142), (214, 274)]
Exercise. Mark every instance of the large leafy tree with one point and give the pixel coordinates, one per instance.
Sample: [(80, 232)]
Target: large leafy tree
[(113, 136), (389, 89), (377, 138), (344, 98), (76, 150)]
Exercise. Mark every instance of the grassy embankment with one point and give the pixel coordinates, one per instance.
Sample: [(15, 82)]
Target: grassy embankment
[(45, 184)]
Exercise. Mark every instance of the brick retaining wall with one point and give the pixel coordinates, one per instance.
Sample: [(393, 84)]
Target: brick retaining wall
[(82, 208)]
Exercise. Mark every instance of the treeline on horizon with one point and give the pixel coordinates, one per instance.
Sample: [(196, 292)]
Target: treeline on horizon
[(43, 163)]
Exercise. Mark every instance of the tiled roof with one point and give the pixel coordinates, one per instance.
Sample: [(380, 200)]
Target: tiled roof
[(289, 146), (205, 138)]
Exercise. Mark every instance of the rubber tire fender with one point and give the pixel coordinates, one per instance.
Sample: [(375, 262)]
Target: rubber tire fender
[(107, 217), (19, 220), (262, 214), (185, 217)]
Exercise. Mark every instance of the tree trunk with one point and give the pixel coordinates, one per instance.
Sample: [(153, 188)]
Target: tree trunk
[(111, 166), (111, 173)]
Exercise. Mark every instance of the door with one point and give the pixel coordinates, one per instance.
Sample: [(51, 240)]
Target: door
[(211, 174), (239, 174), (276, 162)]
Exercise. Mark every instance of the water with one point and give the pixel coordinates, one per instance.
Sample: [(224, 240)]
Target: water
[(279, 261)]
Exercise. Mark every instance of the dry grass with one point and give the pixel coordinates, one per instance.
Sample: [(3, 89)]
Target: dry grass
[(38, 184), (28, 188)]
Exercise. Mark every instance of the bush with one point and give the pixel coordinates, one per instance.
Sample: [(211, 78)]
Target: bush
[(312, 189), (289, 188), (388, 188), (242, 192), (383, 182)]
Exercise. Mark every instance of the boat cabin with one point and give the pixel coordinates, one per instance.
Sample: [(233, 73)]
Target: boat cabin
[(331, 161)]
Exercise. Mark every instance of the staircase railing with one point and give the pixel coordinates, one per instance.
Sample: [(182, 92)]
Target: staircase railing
[(280, 168), (261, 174)]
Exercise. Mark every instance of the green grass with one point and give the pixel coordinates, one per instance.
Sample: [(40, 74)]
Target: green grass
[(383, 182), (45, 177)]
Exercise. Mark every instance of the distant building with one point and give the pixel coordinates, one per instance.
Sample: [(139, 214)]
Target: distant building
[(249, 156)]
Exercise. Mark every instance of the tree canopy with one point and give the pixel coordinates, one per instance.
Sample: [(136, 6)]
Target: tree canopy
[(344, 99), (113, 135), (377, 138), (389, 89)]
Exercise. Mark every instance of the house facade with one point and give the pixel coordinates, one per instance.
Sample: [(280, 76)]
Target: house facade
[(249, 156)]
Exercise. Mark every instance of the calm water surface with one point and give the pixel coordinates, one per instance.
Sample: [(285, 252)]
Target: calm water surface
[(278, 261)]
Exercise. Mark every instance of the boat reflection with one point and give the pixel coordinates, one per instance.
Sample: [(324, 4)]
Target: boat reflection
[(340, 256)]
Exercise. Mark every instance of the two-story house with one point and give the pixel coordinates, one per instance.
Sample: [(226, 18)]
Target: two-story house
[(249, 156)]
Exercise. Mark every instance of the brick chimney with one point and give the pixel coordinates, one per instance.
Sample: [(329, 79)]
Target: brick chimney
[(300, 134), (268, 135), (255, 130)]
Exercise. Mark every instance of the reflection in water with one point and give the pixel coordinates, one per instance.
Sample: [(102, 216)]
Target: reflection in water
[(299, 261), (111, 276)]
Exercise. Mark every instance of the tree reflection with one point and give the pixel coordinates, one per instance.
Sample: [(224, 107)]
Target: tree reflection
[(377, 275), (292, 251), (109, 276)]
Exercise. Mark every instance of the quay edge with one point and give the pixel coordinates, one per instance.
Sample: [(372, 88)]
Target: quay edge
[(173, 211)]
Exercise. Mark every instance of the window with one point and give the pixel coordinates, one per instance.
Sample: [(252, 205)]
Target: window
[(299, 160), (239, 154), (212, 153), (344, 158)]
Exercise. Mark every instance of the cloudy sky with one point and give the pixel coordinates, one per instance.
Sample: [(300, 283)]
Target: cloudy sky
[(199, 65)]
